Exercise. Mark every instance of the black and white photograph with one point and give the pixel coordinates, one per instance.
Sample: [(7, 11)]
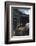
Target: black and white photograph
[(20, 21)]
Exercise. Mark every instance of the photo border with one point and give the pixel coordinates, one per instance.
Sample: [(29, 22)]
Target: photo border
[(31, 14)]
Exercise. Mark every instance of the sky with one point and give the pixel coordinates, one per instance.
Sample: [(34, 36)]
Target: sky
[(26, 11)]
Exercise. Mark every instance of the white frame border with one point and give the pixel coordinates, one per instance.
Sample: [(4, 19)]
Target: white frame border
[(15, 38)]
